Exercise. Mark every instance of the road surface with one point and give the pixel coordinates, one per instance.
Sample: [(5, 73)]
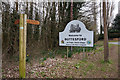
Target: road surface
[(114, 43)]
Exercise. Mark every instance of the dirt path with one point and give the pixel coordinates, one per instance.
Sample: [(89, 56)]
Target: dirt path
[(114, 58)]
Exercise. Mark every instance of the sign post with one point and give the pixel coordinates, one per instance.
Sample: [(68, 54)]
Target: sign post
[(21, 53), (76, 34), (22, 42), (83, 53), (67, 51), (22, 47)]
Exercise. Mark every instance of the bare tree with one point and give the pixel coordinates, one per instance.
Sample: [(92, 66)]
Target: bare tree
[(95, 21), (110, 8), (106, 49), (100, 19), (88, 15)]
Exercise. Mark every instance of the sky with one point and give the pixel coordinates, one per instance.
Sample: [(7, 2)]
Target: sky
[(116, 7)]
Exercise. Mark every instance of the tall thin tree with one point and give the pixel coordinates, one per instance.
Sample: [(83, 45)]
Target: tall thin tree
[(100, 19), (106, 49), (71, 16)]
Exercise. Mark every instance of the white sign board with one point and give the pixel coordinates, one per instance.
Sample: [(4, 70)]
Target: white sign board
[(76, 34)]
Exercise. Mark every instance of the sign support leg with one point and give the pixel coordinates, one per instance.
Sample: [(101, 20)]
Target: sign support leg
[(83, 53), (67, 51), (86, 53), (71, 48)]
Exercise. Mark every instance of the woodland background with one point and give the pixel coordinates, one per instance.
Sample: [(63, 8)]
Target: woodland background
[(53, 17)]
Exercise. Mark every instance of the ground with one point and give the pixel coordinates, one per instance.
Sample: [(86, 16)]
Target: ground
[(93, 66)]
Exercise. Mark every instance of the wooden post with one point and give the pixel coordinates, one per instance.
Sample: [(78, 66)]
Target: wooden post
[(67, 51), (83, 53), (21, 70), (22, 45), (22, 42)]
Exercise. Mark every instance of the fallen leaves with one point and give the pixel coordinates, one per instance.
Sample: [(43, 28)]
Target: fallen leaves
[(60, 68)]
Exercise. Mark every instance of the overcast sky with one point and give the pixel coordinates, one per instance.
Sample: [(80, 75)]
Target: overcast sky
[(116, 7)]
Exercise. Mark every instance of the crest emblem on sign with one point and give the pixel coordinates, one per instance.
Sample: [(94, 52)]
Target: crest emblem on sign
[(74, 28)]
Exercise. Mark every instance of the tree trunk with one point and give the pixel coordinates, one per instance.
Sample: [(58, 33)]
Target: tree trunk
[(106, 51), (95, 21), (16, 5)]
